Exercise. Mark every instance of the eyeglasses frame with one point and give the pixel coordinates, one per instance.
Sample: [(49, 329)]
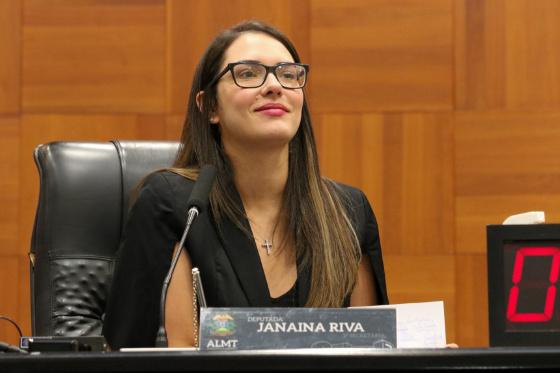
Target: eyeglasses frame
[(269, 69)]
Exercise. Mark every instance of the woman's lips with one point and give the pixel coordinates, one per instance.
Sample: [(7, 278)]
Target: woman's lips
[(273, 112)]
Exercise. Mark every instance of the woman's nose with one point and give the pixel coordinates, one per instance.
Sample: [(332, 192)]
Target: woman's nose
[(271, 85)]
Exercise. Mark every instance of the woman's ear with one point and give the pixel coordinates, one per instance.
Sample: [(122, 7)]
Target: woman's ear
[(199, 103), (199, 100)]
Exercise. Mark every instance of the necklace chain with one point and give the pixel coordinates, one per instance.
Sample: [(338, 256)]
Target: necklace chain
[(267, 244)]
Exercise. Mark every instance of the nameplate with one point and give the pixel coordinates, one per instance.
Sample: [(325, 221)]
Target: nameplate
[(284, 328)]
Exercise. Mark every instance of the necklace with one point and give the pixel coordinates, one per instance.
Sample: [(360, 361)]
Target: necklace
[(268, 246), (266, 243)]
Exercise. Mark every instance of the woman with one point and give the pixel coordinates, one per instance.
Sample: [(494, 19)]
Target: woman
[(276, 233)]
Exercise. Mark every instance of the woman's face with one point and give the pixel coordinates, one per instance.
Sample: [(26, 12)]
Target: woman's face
[(242, 113)]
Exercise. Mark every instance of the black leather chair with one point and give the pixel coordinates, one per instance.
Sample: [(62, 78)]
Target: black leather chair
[(83, 204)]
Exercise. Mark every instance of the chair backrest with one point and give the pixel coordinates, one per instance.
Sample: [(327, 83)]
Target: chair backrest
[(83, 205)]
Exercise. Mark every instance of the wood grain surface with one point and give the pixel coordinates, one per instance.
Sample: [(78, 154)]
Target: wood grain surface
[(446, 113)]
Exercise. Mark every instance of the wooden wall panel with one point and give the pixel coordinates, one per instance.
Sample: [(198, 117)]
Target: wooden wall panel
[(94, 56), (9, 184), (424, 278), (404, 164), (14, 292), (10, 56), (351, 151), (9, 276), (505, 163), (418, 180), (445, 112), (381, 55), (472, 300), (174, 127), (507, 54), (474, 213), (190, 34)]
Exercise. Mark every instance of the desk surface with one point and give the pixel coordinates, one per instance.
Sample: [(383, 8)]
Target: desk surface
[(285, 360)]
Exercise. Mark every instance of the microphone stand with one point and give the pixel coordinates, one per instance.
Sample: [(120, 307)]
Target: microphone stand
[(161, 339), (196, 204)]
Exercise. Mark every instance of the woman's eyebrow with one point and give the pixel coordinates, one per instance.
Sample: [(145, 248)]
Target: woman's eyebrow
[(250, 61), (257, 61)]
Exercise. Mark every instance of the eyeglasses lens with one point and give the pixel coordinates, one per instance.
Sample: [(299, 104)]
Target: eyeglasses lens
[(291, 76), (249, 75)]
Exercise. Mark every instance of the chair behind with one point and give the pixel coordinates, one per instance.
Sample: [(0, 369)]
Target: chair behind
[(83, 205)]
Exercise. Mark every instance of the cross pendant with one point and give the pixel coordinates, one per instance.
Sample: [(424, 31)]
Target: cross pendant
[(268, 246)]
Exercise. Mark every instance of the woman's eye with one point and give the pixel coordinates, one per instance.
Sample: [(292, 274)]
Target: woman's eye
[(288, 75), (247, 73)]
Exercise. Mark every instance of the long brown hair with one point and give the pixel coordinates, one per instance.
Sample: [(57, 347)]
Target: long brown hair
[(324, 237)]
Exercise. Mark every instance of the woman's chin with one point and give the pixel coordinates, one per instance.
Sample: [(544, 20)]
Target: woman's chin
[(268, 141), (279, 135), (263, 137)]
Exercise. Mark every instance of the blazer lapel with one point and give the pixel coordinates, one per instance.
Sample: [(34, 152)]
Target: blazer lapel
[(246, 263)]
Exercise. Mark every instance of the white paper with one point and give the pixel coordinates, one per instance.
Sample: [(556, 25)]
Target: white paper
[(419, 325), (531, 217)]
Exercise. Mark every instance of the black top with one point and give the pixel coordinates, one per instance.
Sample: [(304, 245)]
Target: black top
[(288, 299), (229, 264)]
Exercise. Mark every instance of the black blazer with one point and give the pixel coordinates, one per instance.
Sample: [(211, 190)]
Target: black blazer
[(231, 271)]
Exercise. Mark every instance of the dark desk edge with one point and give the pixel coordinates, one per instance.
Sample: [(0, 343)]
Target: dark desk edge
[(286, 360)]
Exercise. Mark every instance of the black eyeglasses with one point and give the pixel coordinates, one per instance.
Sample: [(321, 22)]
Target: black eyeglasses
[(248, 74)]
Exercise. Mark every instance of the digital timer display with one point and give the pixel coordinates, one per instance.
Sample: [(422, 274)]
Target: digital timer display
[(523, 284), (531, 292)]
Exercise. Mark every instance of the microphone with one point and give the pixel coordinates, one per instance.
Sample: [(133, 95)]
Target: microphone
[(197, 203)]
